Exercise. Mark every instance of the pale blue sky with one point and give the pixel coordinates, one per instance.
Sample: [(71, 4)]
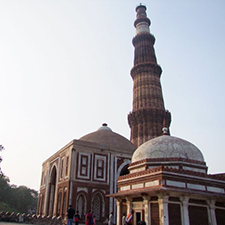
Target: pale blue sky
[(65, 69)]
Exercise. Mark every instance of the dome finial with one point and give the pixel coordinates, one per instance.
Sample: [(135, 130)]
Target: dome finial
[(165, 129), (104, 127)]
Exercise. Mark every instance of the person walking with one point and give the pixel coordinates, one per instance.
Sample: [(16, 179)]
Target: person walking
[(94, 220), (110, 219), (70, 214), (124, 219), (129, 218), (77, 218), (89, 218)]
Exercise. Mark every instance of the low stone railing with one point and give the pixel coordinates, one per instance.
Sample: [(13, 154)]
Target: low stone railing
[(30, 219)]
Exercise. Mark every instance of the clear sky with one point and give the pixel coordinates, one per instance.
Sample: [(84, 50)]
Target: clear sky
[(65, 69)]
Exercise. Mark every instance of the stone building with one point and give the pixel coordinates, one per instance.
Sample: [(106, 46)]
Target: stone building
[(168, 183), (82, 173)]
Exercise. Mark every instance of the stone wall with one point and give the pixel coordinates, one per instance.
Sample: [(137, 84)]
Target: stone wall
[(30, 219)]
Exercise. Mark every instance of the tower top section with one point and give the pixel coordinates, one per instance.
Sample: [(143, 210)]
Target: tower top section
[(141, 23)]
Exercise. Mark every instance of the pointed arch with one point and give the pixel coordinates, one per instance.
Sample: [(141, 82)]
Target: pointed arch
[(98, 205), (64, 203), (123, 169), (59, 202), (52, 188), (81, 205)]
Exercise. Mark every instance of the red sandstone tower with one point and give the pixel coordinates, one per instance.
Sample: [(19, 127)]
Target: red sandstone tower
[(149, 115)]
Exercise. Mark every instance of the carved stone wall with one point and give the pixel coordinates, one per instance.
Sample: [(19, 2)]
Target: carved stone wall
[(148, 115)]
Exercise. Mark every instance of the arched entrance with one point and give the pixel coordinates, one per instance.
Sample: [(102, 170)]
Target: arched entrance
[(59, 202), (98, 206), (52, 187), (124, 170), (81, 206)]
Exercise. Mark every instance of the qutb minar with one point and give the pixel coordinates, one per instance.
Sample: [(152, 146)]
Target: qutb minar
[(148, 115)]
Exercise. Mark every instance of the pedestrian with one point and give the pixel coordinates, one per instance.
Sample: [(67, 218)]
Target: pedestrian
[(94, 220), (110, 219), (89, 218), (124, 219), (129, 218), (70, 214), (77, 218)]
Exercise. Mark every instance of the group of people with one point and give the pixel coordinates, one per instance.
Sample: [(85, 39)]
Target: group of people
[(71, 215), (126, 220), (90, 218)]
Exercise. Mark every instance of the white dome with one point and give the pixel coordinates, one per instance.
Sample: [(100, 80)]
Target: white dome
[(167, 147)]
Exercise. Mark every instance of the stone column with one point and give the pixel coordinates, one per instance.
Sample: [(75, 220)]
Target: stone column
[(129, 205), (163, 210), (118, 206), (211, 212), (48, 185), (146, 208), (184, 210)]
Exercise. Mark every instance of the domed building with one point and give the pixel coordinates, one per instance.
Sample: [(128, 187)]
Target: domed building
[(82, 173), (167, 183)]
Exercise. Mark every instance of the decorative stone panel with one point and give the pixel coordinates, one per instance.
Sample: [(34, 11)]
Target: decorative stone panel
[(84, 166)]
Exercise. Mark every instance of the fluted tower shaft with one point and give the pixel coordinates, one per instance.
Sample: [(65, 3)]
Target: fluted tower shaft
[(148, 115)]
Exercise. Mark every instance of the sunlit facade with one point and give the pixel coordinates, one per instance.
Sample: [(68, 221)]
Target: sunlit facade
[(82, 173)]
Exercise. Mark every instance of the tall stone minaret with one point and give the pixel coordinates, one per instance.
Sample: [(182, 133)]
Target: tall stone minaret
[(149, 115)]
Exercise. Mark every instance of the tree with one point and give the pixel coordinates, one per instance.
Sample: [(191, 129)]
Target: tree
[(5, 189), (12, 198), (1, 148), (25, 199), (17, 199), (5, 194)]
